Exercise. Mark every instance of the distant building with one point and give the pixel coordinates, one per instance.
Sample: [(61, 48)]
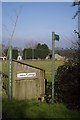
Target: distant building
[(49, 56), (57, 57), (19, 57), (3, 58)]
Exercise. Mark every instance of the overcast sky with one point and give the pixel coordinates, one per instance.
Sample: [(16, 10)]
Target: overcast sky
[(37, 21)]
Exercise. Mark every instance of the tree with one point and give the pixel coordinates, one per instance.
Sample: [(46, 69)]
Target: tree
[(41, 51), (31, 44), (3, 49), (27, 53), (14, 53)]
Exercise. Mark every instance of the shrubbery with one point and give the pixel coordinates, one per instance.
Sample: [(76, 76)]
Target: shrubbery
[(40, 51), (67, 85), (31, 109)]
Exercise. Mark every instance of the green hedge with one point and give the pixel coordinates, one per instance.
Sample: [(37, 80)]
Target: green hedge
[(67, 85)]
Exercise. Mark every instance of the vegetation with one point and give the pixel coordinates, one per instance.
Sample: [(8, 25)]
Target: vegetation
[(40, 51), (46, 65), (14, 53), (5, 67), (27, 53), (67, 84), (68, 53), (34, 109)]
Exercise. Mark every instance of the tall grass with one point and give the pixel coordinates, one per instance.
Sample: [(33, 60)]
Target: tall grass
[(35, 109)]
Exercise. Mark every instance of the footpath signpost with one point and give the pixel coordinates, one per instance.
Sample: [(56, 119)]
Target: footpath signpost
[(54, 37)]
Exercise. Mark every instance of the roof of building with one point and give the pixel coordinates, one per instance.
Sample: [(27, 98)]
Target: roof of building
[(27, 65), (58, 56)]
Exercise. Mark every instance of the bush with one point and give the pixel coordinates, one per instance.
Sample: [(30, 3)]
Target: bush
[(14, 53), (32, 109), (67, 85)]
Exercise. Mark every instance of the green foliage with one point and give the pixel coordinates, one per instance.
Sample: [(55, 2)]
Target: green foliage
[(34, 109), (41, 51), (67, 85), (4, 67), (14, 53), (27, 53)]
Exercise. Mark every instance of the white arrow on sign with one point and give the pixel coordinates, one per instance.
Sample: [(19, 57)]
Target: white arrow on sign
[(26, 75)]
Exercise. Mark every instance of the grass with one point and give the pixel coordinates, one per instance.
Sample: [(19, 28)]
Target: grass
[(5, 67), (46, 65), (34, 109)]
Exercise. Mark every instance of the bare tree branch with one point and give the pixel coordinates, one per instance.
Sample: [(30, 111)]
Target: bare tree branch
[(31, 44)]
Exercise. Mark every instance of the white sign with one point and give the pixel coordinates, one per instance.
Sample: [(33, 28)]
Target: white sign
[(26, 75)]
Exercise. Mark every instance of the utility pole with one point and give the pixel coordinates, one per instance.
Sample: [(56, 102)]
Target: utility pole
[(54, 37)]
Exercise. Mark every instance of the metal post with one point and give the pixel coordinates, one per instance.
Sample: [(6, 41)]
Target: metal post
[(10, 72), (53, 59)]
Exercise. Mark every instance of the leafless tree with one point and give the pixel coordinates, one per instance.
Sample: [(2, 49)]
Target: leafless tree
[(31, 44)]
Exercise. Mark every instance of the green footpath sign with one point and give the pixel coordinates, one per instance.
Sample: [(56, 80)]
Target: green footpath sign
[(56, 37)]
